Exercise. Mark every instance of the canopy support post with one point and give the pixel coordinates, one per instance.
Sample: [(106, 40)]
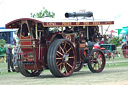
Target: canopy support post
[(101, 29), (87, 34), (36, 31)]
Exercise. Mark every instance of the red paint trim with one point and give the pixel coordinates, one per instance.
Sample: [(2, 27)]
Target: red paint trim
[(50, 23)]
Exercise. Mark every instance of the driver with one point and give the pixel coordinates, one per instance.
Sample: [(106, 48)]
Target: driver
[(68, 30)]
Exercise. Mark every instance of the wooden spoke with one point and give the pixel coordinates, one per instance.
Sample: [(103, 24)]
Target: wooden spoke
[(65, 69), (69, 44), (99, 65), (93, 60), (62, 49), (59, 58), (57, 62), (59, 49), (93, 56), (68, 50), (94, 66), (100, 59), (63, 66), (68, 64), (60, 64), (71, 57), (59, 53), (64, 46), (60, 68)]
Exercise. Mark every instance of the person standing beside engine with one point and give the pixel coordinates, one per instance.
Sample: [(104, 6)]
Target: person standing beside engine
[(9, 58)]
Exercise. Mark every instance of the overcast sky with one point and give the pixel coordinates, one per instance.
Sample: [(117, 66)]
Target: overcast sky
[(102, 9)]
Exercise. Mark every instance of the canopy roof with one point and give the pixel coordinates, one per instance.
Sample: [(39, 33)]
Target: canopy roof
[(7, 30), (53, 22)]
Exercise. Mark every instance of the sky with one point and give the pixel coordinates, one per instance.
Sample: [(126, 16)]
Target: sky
[(102, 9)]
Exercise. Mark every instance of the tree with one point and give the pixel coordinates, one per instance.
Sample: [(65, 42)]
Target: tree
[(116, 41), (2, 48), (2, 43), (43, 13)]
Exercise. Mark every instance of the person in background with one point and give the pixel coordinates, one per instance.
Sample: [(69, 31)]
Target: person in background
[(127, 39), (9, 58), (123, 41), (102, 41), (15, 54), (14, 41), (68, 30)]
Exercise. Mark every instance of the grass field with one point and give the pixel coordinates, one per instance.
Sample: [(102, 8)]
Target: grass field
[(111, 75)]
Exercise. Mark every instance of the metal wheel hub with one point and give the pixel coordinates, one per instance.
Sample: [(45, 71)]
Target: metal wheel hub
[(98, 60), (65, 57)]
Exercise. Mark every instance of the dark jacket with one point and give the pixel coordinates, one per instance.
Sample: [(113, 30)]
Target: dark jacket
[(9, 53)]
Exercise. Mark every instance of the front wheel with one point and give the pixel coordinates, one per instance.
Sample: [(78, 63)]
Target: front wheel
[(96, 62), (61, 58)]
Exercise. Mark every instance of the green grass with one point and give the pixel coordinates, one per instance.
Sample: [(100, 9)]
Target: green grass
[(112, 65), (111, 75), (3, 65), (119, 59), (120, 62), (3, 68), (2, 60)]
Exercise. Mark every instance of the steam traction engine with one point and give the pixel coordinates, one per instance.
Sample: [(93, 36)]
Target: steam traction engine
[(61, 52)]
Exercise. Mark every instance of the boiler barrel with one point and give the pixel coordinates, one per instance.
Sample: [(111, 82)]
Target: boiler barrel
[(79, 14)]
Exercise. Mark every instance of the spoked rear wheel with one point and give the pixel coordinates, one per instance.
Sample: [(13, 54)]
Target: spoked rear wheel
[(96, 61), (27, 73), (125, 50), (61, 58)]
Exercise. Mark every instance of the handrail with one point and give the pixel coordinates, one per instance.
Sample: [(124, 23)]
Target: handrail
[(29, 40)]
